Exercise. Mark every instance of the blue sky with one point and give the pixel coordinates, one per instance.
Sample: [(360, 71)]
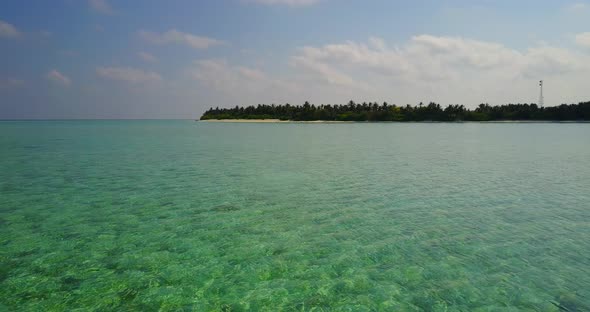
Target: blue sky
[(174, 59)]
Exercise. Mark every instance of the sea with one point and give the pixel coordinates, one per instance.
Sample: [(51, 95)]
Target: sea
[(179, 215)]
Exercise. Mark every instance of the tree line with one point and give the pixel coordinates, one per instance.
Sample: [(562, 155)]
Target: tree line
[(386, 112)]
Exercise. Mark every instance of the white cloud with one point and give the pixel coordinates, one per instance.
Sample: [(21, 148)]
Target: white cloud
[(8, 30), (251, 73), (11, 83), (449, 69), (101, 6), (547, 61), (218, 74), (325, 72), (247, 84), (147, 57), (583, 39), (577, 7), (175, 36), (128, 74), (58, 78), (426, 54), (285, 2)]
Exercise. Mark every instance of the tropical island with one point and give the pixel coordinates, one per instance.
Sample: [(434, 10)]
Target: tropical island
[(386, 112)]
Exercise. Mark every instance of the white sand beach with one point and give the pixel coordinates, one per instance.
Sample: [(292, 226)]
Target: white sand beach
[(273, 121)]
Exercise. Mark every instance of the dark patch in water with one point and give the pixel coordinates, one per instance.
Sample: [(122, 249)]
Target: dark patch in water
[(167, 204), (5, 267), (32, 146), (111, 262), (230, 308), (70, 282), (279, 251), (225, 208), (35, 218), (8, 188), (26, 253), (172, 247), (570, 303), (70, 236), (113, 252), (196, 213), (315, 301), (35, 222), (256, 198), (112, 265), (128, 294)]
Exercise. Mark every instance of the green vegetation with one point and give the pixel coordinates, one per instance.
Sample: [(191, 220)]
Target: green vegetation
[(385, 112)]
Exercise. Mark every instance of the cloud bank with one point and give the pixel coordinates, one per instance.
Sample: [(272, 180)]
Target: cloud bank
[(177, 37), (128, 74), (583, 39), (101, 6), (8, 30), (58, 78), (425, 68), (147, 57)]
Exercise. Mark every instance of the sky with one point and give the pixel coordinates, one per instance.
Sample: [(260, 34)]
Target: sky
[(65, 59)]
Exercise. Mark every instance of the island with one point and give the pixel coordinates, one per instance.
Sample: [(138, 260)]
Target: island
[(386, 112)]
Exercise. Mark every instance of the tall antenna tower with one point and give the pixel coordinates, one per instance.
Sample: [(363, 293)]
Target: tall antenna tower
[(541, 98)]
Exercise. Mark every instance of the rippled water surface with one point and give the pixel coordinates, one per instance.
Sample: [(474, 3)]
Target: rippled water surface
[(192, 216)]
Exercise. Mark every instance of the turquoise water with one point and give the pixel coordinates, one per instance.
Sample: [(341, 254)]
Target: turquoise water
[(192, 216)]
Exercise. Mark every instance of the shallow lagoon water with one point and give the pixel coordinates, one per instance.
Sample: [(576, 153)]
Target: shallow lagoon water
[(192, 216)]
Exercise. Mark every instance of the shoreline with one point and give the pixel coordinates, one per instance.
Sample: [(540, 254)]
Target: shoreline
[(274, 121), (243, 120), (366, 121)]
